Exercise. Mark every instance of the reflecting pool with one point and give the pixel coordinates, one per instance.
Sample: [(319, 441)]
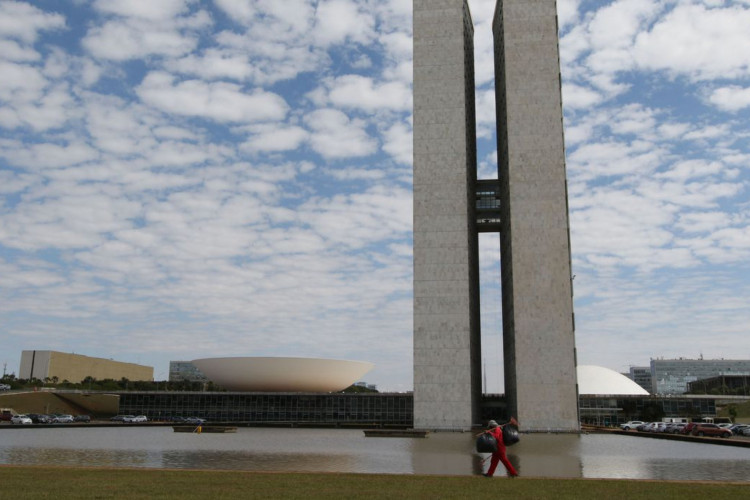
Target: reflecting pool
[(335, 450)]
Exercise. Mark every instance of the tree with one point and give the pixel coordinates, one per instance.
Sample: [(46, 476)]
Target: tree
[(733, 412)]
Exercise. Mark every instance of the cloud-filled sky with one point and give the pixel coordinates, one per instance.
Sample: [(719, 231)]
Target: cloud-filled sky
[(192, 178)]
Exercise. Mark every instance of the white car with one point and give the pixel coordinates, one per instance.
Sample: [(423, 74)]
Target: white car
[(63, 419), (135, 420), (631, 425), (20, 419)]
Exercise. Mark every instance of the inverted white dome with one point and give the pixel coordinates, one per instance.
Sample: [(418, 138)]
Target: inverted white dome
[(599, 381), (271, 374)]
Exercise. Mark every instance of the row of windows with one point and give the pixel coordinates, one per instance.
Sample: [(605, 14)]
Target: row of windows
[(384, 409)]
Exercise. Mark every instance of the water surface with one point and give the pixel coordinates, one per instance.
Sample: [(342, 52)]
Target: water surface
[(336, 450)]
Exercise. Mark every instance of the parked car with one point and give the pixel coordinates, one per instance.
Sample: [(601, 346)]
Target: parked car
[(121, 418), (737, 428), (39, 418), (633, 424), (652, 427), (4, 387), (20, 419), (193, 421), (82, 418), (688, 428), (675, 428), (137, 419), (745, 431), (710, 430), (63, 419)]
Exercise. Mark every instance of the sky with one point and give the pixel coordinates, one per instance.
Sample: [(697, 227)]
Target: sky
[(196, 178)]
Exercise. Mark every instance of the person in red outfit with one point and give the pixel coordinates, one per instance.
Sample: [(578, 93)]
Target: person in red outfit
[(499, 456)]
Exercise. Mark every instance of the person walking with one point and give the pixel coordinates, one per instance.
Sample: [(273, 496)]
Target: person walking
[(496, 430)]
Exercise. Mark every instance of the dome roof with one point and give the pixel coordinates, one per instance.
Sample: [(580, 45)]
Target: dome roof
[(599, 381), (272, 374)]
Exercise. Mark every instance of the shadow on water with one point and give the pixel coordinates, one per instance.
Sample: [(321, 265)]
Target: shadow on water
[(330, 450)]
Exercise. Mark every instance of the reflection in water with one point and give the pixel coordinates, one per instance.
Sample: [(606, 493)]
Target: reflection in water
[(644, 458), (330, 450)]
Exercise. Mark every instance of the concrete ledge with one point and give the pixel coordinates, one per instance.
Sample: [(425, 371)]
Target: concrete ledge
[(732, 441)]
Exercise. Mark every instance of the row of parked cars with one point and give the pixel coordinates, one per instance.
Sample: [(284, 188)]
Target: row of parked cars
[(57, 418), (129, 419), (691, 428)]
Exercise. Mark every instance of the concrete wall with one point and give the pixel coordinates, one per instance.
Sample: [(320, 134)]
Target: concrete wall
[(75, 367), (447, 374), (538, 324)]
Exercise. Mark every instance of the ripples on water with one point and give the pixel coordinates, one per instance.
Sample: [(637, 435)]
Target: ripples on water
[(329, 450)]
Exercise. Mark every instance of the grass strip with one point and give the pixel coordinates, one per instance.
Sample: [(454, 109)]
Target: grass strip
[(61, 483)]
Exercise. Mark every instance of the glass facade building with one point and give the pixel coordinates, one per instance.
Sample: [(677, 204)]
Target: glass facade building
[(641, 375), (671, 376), (381, 410), (185, 371), (273, 408), (612, 411)]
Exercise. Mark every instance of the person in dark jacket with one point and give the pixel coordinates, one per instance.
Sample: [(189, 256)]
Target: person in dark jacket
[(499, 456)]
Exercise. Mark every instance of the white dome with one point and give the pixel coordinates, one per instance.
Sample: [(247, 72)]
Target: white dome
[(599, 381), (260, 374)]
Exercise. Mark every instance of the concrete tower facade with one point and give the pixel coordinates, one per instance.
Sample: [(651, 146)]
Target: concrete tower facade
[(447, 371), (538, 322), (527, 206)]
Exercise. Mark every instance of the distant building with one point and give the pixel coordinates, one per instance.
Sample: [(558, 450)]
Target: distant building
[(733, 385), (641, 375), (185, 371), (672, 376), (608, 398), (76, 367)]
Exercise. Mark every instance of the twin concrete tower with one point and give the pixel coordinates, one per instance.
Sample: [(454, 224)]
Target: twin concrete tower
[(527, 206)]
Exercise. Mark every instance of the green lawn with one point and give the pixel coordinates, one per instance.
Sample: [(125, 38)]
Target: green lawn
[(61, 483)]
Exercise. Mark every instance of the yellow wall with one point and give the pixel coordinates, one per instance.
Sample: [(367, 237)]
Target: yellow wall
[(75, 368)]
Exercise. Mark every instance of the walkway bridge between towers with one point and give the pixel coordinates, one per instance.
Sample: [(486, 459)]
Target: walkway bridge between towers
[(488, 206)]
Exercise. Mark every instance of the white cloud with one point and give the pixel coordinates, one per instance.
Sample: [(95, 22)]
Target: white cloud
[(398, 142), (360, 219), (577, 96), (360, 92), (121, 41), (699, 41), (702, 222), (20, 82), (14, 51), (567, 13), (24, 22), (46, 155), (334, 135), (215, 64), (732, 98), (282, 19), (162, 10), (273, 138), (220, 101), (338, 21)]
